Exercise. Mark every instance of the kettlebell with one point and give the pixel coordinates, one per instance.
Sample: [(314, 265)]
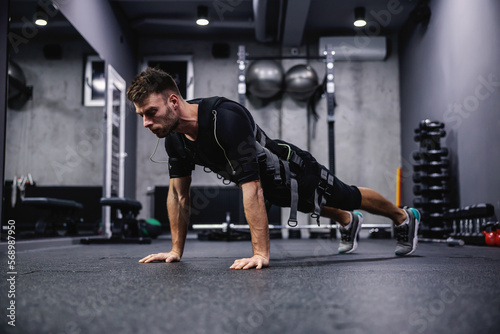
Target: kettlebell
[(490, 237), (497, 238)]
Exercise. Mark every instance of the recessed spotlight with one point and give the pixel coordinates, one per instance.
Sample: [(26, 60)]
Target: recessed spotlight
[(202, 16), (359, 17)]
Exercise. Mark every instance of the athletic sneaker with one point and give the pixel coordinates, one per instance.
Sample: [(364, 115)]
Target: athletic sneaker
[(349, 237), (406, 234)]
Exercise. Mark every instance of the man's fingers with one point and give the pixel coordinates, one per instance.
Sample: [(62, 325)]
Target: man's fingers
[(235, 265), (158, 257), (259, 265), (250, 264), (239, 264), (172, 259), (247, 264), (145, 259), (149, 258)]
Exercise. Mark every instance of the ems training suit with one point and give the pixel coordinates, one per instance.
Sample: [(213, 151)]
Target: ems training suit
[(226, 144)]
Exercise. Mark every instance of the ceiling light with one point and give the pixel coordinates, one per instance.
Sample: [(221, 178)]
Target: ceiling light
[(40, 18), (202, 16), (359, 17)]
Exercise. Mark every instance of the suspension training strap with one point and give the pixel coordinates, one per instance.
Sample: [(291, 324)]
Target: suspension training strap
[(292, 219), (274, 160), (324, 187)]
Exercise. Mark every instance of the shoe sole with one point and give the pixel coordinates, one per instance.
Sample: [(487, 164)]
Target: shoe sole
[(355, 244), (415, 234)]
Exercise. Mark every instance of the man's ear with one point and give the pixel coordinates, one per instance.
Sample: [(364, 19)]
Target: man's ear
[(174, 99)]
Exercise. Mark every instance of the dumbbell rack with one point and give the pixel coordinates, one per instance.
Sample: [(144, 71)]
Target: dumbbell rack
[(467, 223), (431, 178)]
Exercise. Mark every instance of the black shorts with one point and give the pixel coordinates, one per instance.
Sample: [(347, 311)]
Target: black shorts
[(343, 196)]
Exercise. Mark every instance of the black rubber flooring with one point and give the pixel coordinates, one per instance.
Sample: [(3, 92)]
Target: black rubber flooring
[(77, 289)]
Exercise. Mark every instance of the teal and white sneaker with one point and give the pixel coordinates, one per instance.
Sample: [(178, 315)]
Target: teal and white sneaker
[(349, 237), (406, 234)]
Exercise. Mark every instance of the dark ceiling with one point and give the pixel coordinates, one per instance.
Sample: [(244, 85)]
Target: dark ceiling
[(285, 22)]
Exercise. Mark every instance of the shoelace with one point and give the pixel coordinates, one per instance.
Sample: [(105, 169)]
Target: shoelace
[(402, 232), (345, 235)]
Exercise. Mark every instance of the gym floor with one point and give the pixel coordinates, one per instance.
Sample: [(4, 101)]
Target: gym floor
[(64, 287)]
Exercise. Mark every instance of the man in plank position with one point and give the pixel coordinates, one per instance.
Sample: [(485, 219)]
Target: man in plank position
[(221, 135)]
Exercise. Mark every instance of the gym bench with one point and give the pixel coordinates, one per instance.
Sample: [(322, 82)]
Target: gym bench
[(61, 215), (125, 227)]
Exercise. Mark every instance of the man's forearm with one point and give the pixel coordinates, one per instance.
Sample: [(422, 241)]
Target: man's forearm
[(178, 214), (256, 215)]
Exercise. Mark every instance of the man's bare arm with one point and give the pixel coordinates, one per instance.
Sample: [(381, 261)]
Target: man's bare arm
[(256, 215), (178, 207)]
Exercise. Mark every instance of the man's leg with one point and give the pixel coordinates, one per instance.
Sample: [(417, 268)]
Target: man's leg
[(341, 216), (350, 226), (372, 202), (375, 203), (406, 220)]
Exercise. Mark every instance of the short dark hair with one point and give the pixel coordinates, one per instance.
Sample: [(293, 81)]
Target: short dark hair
[(152, 80)]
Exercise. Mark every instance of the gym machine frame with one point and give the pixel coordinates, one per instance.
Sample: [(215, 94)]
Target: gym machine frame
[(229, 227), (120, 223)]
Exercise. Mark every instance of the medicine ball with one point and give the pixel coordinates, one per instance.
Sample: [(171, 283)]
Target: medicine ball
[(301, 82), (264, 78), (151, 228), (19, 93)]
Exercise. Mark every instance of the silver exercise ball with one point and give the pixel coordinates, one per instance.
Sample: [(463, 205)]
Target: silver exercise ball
[(15, 75), (264, 78), (18, 93), (300, 82)]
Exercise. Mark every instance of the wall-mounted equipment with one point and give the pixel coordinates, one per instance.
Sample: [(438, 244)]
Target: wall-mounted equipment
[(19, 92)]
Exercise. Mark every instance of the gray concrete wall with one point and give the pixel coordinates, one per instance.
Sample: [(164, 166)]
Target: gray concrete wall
[(54, 137), (450, 72), (368, 126), (367, 117), (96, 21)]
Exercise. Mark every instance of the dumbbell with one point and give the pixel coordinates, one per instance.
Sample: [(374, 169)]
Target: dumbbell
[(432, 165), (482, 210), (466, 223), (479, 213), (432, 204), (471, 224), (436, 219), (432, 135), (430, 190), (460, 217), (431, 155), (434, 177), (449, 241), (428, 124), (451, 216)]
